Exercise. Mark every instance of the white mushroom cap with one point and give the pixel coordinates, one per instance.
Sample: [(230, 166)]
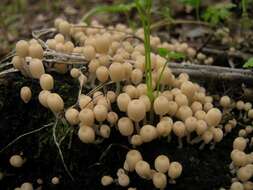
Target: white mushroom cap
[(125, 126), (122, 101), (136, 110), (159, 180), (142, 168), (46, 82), (161, 105), (26, 94), (162, 163), (86, 134), (164, 127), (116, 71), (85, 102), (87, 117), (239, 158), (100, 112), (16, 161), (106, 180), (123, 180), (136, 140), (36, 68), (190, 124), (245, 173), (26, 186), (236, 186), (36, 51), (105, 131), (55, 180), (132, 157), (213, 117), (72, 116), (179, 129), (240, 143), (148, 133), (55, 102), (22, 48), (175, 170)]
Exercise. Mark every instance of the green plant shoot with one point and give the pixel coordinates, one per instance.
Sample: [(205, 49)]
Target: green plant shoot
[(118, 8), (218, 13), (169, 55), (248, 64), (144, 10), (194, 3)]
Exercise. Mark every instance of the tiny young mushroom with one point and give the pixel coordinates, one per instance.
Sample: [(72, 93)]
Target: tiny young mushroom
[(159, 180), (36, 68), (55, 102), (136, 110), (72, 116), (16, 161), (26, 94), (55, 180), (123, 180), (148, 133), (106, 180), (87, 117), (190, 124), (180, 131), (162, 163), (26, 186), (240, 143), (86, 134), (22, 48), (36, 51), (105, 131), (125, 126), (132, 157), (136, 140), (46, 82), (142, 168), (161, 105), (112, 118), (100, 112), (175, 170), (123, 100), (116, 72)]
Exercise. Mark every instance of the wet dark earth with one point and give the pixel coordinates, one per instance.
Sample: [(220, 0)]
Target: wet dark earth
[(202, 170)]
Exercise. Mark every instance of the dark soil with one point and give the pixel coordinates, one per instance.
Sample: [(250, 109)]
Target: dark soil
[(202, 170)]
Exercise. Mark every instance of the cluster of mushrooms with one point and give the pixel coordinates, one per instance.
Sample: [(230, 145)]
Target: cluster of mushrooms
[(114, 60)]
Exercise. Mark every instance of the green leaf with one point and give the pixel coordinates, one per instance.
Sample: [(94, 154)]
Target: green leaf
[(117, 8), (193, 3), (171, 55), (248, 64), (217, 13)]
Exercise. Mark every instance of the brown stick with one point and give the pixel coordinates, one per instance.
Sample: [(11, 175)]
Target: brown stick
[(213, 72)]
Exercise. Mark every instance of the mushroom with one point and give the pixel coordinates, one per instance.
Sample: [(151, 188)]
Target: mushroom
[(105, 131), (213, 117), (46, 82), (225, 102), (36, 51), (236, 186), (122, 101), (16, 161), (116, 72), (132, 157), (75, 73), (180, 131), (26, 186), (245, 173), (72, 116), (86, 134), (26, 94), (136, 110), (240, 143), (112, 118), (55, 180), (22, 48), (36, 68), (106, 180), (162, 163), (161, 105), (148, 133), (87, 117), (85, 102), (100, 112), (159, 180), (125, 126), (136, 140), (123, 180), (136, 76), (164, 127), (184, 112), (142, 168), (55, 102), (190, 124), (175, 170), (102, 74)]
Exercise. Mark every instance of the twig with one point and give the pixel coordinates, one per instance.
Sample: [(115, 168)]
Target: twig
[(109, 148), (59, 150), (213, 72), (24, 135)]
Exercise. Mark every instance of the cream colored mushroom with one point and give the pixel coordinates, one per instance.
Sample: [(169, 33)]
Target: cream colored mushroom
[(162, 163), (26, 94), (46, 82), (55, 102), (86, 134)]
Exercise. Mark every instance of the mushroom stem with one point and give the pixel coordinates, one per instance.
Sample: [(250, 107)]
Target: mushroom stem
[(212, 146), (172, 181), (117, 88), (92, 80), (180, 143), (196, 140), (169, 138), (188, 138), (202, 146), (137, 127)]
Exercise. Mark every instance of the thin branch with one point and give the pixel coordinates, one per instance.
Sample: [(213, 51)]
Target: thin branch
[(24, 135), (59, 150)]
